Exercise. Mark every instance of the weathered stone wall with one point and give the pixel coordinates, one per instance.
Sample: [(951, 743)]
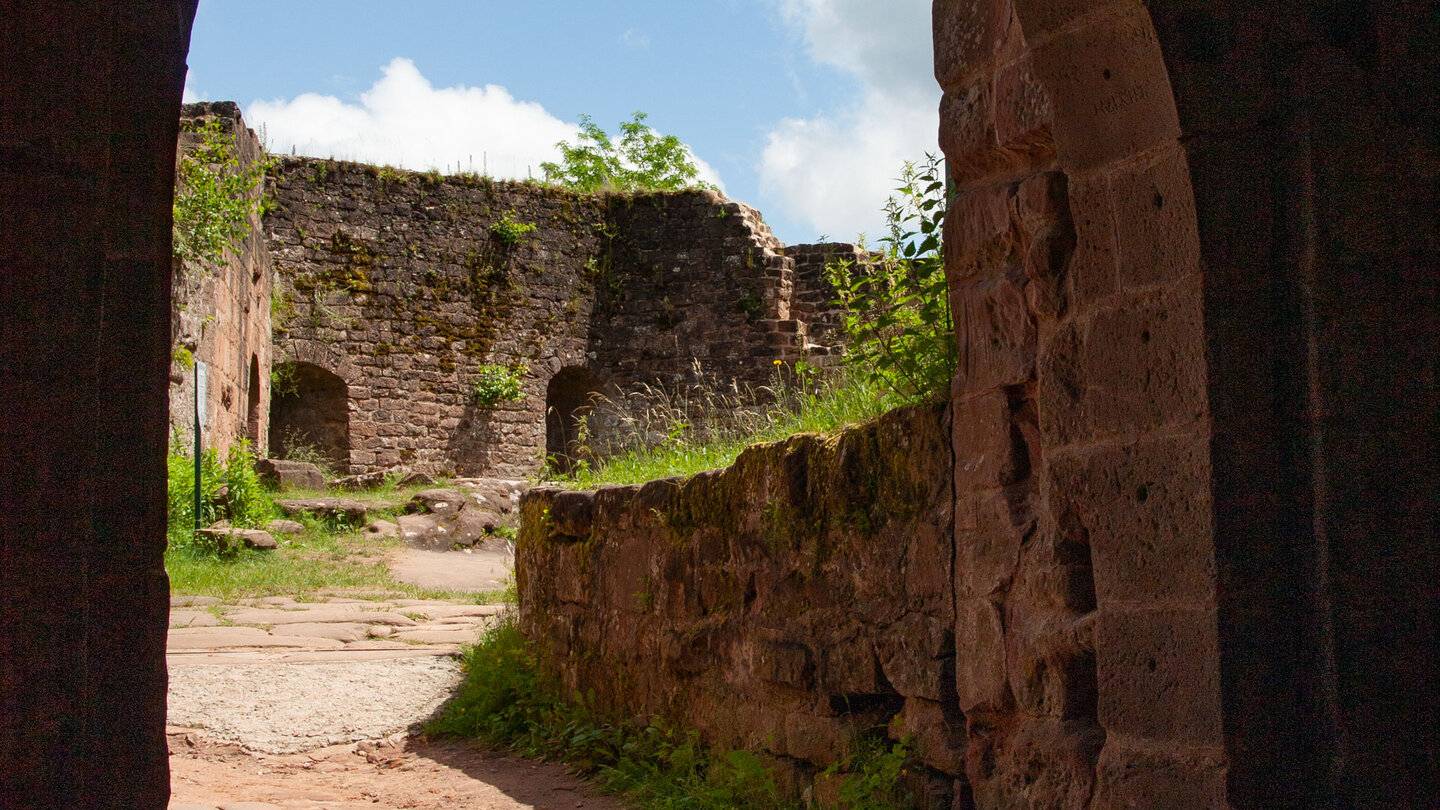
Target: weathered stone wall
[(392, 282), (1085, 577), (784, 605), (395, 283), (220, 314)]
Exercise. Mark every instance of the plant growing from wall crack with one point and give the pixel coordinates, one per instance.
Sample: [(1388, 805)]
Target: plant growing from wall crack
[(495, 384), (215, 196)]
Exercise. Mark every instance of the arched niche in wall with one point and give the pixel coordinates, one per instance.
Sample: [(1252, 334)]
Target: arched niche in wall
[(568, 399), (309, 411)]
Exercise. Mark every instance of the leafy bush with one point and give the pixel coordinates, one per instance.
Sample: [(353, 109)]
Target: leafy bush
[(214, 197), (897, 322), (505, 700), (643, 160), (495, 384), (508, 231), (229, 490)]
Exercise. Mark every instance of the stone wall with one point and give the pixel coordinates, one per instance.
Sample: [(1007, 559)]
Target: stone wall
[(220, 315), (786, 605), (394, 286)]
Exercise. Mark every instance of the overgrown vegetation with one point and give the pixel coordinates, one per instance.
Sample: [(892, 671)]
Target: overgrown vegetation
[(706, 425), (229, 490), (326, 558), (899, 349), (898, 325), (509, 231), (643, 160), (215, 196), (496, 383), (507, 700)]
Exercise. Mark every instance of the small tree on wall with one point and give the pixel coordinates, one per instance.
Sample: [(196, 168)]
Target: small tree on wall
[(642, 160), (215, 199)]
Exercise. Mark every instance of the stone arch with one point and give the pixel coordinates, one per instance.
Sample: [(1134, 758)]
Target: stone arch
[(1186, 317), (311, 407), (569, 396)]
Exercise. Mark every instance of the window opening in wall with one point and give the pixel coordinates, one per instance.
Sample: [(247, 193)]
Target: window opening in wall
[(252, 405)]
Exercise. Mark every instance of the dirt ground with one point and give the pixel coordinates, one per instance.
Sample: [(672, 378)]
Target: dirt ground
[(394, 773)]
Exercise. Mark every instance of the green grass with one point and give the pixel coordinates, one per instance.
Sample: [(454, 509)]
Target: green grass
[(327, 559), (823, 406), (508, 701)]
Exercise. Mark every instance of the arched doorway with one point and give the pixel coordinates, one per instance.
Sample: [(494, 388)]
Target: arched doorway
[(309, 416), (568, 400)]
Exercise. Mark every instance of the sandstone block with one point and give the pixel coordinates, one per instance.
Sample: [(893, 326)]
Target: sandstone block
[(821, 740), (284, 475), (990, 526), (227, 538), (1144, 510), (1110, 88), (1159, 674), (785, 663), (1093, 270), (343, 510), (285, 527), (1183, 778), (1156, 229), (1022, 107), (1132, 369), (968, 35), (937, 740), (987, 455), (571, 512), (1044, 763), (994, 325), (980, 656)]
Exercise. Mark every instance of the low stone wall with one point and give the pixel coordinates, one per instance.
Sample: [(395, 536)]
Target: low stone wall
[(786, 605)]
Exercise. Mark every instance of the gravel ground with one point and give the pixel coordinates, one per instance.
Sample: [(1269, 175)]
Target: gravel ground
[(285, 708)]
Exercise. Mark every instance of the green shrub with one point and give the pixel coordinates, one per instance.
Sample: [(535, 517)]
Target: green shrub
[(214, 196), (509, 231), (495, 384), (643, 160), (506, 701), (229, 489), (897, 323)]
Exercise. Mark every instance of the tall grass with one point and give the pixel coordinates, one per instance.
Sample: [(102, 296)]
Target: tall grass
[(705, 425)]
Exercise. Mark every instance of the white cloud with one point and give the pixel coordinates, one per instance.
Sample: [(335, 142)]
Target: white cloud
[(188, 96), (404, 121), (835, 170)]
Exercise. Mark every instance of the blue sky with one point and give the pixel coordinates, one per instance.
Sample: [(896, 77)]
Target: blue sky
[(802, 108)]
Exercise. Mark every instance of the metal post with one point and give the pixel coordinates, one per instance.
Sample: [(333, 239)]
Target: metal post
[(200, 392)]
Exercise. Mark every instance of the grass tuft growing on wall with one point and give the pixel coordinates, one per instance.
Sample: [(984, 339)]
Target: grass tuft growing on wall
[(706, 426)]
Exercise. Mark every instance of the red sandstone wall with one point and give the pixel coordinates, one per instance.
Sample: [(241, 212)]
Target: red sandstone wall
[(786, 604), (221, 315), (1081, 413)]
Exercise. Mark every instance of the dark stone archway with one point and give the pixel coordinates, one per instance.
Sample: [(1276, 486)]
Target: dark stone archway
[(568, 398), (311, 409), (89, 112)]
